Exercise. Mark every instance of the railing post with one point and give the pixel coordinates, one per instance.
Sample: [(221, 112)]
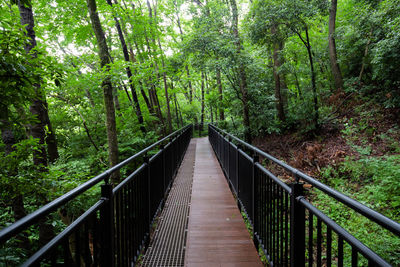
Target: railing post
[(297, 227), (254, 199), (228, 172), (146, 159), (163, 169), (107, 225), (237, 172)]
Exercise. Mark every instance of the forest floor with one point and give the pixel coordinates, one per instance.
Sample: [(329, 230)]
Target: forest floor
[(357, 154), (365, 129)]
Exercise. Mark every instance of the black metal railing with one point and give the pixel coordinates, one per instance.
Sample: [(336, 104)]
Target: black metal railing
[(116, 228), (286, 226)]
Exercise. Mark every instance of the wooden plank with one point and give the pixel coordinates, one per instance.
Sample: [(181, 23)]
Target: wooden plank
[(217, 235)]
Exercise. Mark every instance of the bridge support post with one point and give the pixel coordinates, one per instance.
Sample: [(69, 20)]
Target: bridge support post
[(146, 160), (297, 227), (107, 227), (237, 175), (255, 200)]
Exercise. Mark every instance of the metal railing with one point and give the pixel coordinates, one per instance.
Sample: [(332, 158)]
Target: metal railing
[(286, 226), (116, 228)]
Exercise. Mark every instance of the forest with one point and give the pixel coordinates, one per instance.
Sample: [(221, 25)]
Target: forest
[(86, 84)]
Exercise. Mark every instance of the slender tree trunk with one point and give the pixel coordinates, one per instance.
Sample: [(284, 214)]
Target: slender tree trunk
[(337, 75), (165, 88), (365, 57), (129, 72), (220, 91), (277, 77), (190, 85), (176, 105), (180, 112), (107, 88), (186, 66), (313, 81), (116, 101), (51, 141), (242, 72), (39, 112)]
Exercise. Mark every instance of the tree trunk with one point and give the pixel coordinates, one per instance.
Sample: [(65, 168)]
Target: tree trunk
[(51, 141), (129, 72), (107, 88), (365, 57), (176, 106), (39, 112), (242, 73), (220, 91), (169, 120), (337, 75), (313, 83), (178, 20), (277, 77)]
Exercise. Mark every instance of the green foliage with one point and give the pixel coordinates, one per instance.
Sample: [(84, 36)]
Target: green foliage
[(373, 181)]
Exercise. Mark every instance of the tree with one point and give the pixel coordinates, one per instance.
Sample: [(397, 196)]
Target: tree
[(241, 71), (336, 73), (107, 88), (129, 72), (38, 109), (293, 17)]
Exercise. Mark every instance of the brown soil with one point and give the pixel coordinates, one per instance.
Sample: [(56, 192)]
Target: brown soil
[(372, 126)]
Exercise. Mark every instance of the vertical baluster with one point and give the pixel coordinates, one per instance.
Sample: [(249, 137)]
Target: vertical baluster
[(118, 228), (254, 191), (269, 209), (273, 222), (66, 252), (237, 172), (319, 243), (125, 233), (310, 238), (140, 212), (297, 227), (77, 247), (95, 241), (137, 211), (340, 252), (53, 257), (286, 229), (278, 225), (131, 222), (270, 218), (107, 226), (281, 223), (354, 257), (264, 210), (328, 246), (86, 250)]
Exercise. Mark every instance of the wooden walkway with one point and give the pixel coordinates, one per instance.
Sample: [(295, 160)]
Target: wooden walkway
[(217, 235)]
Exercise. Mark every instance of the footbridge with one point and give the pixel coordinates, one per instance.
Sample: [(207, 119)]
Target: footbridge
[(211, 201)]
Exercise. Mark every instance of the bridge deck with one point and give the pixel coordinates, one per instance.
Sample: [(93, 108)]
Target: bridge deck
[(217, 235)]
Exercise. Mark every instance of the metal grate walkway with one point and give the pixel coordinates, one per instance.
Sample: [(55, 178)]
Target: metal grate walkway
[(217, 235), (167, 247)]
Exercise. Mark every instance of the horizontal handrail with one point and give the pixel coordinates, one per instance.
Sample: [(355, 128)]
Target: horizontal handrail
[(64, 234), (363, 249), (32, 218), (371, 214)]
